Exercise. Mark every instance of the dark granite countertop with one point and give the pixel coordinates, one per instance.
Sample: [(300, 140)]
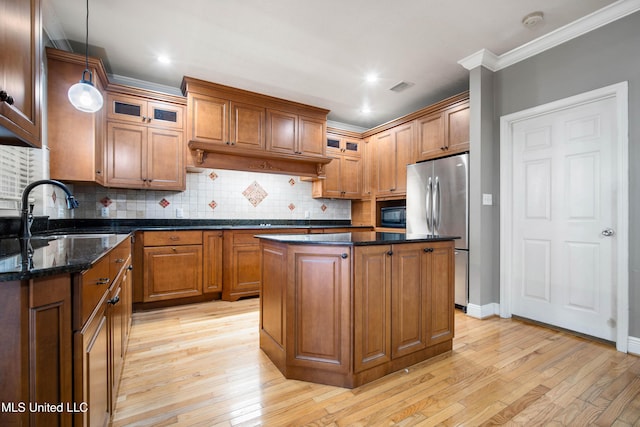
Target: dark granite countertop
[(23, 259), (11, 226), (357, 238), (73, 245)]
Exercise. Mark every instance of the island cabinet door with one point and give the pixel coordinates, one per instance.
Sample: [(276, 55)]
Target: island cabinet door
[(409, 296), (319, 325), (372, 306)]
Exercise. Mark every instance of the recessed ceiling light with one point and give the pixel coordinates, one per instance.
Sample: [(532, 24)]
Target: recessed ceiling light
[(365, 109), (164, 59), (371, 78)]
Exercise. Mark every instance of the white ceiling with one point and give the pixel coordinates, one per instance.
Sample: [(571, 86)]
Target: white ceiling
[(314, 52)]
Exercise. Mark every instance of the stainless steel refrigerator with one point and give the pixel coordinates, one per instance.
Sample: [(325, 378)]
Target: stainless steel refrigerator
[(438, 204)]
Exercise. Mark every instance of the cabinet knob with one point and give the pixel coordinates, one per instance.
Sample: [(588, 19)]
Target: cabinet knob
[(428, 249), (344, 256), (5, 97), (103, 281), (389, 253), (130, 268), (114, 300), (173, 249)]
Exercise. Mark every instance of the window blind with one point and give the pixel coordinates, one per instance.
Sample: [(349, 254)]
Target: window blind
[(18, 167)]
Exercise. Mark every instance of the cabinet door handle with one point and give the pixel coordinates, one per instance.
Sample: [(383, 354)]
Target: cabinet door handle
[(114, 300), (174, 238), (103, 281), (344, 256), (119, 260), (428, 249)]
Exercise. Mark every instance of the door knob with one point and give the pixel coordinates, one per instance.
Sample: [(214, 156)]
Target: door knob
[(608, 232)]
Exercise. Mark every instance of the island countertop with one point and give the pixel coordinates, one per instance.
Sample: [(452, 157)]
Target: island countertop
[(356, 238)]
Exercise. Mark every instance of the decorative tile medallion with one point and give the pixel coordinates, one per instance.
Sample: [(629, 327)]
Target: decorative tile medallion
[(164, 203), (213, 176), (54, 197), (105, 201), (255, 194), (291, 206), (213, 204), (323, 207), (292, 182)]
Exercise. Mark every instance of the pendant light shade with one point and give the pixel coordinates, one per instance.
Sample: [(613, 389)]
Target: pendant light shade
[(84, 95)]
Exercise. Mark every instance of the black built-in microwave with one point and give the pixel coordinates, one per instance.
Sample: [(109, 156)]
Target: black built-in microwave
[(395, 217)]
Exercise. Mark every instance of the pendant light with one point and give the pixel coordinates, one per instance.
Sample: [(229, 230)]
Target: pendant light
[(84, 95)]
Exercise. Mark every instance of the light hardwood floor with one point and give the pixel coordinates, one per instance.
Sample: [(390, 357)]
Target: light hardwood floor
[(200, 365)]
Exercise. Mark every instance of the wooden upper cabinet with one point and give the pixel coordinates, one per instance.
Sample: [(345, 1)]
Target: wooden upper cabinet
[(457, 128), (344, 172), (443, 132), (291, 134), (75, 139), (20, 65), (208, 119), (125, 108), (247, 125), (430, 136), (313, 133), (139, 157), (393, 154), (145, 144), (282, 132)]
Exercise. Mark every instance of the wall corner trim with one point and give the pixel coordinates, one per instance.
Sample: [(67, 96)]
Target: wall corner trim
[(581, 26), (483, 311), (633, 346)]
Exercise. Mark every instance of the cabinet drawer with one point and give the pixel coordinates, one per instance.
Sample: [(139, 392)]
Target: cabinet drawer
[(172, 238), (246, 237), (93, 284), (118, 258)]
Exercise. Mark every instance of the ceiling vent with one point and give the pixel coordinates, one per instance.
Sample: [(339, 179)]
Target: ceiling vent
[(399, 87)]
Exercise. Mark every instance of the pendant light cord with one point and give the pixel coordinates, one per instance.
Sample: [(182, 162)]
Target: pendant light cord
[(86, 38)]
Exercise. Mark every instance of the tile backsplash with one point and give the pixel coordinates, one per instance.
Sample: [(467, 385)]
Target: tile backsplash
[(211, 194)]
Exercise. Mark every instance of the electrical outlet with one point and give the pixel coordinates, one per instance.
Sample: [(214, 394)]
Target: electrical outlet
[(307, 214), (179, 213), (487, 199), (104, 212)]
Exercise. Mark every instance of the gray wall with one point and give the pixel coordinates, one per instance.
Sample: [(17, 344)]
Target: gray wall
[(608, 55)]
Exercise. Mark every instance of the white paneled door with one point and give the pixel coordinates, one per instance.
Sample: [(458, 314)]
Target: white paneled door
[(563, 217)]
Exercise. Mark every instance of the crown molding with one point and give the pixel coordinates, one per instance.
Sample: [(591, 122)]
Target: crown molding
[(581, 26)]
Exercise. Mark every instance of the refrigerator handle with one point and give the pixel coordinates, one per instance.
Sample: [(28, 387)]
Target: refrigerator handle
[(436, 207), (428, 206)]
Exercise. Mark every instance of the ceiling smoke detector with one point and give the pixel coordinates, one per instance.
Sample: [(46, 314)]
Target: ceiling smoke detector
[(533, 19), (399, 87)]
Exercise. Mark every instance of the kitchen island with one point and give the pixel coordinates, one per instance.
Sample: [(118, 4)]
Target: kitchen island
[(345, 309)]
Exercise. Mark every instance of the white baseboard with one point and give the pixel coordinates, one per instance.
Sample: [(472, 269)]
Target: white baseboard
[(633, 345), (483, 311)]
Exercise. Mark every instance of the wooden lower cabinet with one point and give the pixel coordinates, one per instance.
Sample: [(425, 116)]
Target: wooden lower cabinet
[(172, 265), (401, 297), (212, 245), (243, 263), (36, 350), (100, 344), (402, 302), (92, 369)]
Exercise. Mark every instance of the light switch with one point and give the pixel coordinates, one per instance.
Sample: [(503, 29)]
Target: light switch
[(487, 199)]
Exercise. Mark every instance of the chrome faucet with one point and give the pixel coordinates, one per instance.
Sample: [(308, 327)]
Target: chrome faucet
[(27, 209)]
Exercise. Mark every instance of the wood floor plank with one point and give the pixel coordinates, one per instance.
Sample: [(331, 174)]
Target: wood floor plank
[(200, 365)]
